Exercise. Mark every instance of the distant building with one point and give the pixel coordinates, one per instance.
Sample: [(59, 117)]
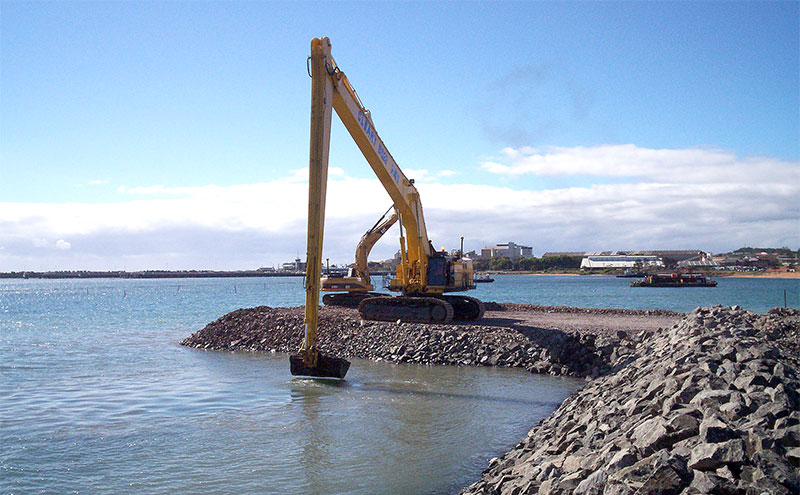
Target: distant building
[(669, 258), (619, 261), (706, 261), (294, 266), (509, 250), (672, 258)]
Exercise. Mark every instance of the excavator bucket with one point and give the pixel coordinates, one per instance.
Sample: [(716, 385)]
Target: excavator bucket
[(325, 367)]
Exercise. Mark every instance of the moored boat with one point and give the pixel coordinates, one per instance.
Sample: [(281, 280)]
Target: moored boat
[(676, 279), (629, 273)]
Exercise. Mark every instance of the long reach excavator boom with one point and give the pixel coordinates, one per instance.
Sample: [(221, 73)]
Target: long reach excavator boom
[(423, 275)]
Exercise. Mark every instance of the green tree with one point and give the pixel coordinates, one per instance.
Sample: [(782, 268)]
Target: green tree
[(501, 264), (529, 264), (481, 265)]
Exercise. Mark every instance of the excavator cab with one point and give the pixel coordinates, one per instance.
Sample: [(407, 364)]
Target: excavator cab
[(437, 270)]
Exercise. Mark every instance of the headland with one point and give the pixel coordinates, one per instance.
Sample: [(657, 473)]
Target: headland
[(146, 274)]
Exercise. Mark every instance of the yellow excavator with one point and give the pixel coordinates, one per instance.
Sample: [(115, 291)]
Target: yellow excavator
[(424, 275), (350, 290)]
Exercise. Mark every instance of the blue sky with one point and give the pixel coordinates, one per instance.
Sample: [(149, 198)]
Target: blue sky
[(175, 134)]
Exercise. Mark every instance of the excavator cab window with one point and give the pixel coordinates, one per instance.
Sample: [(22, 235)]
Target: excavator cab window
[(450, 273), (437, 271)]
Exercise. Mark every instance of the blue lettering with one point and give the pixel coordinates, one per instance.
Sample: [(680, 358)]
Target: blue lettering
[(372, 136), (382, 153)]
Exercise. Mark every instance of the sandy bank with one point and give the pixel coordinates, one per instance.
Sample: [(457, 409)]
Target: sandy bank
[(768, 274)]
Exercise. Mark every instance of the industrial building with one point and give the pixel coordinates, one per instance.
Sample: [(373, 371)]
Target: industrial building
[(624, 259), (294, 266), (508, 250), (620, 261)]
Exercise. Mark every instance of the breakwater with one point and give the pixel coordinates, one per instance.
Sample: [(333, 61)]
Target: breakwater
[(706, 403), (541, 339), (709, 405)]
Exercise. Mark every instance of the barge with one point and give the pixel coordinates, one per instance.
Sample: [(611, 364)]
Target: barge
[(675, 280)]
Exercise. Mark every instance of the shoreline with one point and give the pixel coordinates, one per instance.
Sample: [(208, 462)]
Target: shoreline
[(555, 340), (783, 275), (769, 275), (147, 274), (157, 274)]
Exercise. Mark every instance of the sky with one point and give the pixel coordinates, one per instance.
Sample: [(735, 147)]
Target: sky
[(174, 135)]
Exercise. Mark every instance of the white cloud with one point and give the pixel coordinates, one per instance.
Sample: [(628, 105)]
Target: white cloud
[(421, 175), (693, 165), (725, 203)]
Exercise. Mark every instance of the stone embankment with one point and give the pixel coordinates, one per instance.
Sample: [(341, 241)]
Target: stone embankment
[(706, 403), (541, 339), (709, 405)]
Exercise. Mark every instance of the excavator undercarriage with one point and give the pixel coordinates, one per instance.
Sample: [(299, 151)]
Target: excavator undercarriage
[(348, 299), (421, 309)]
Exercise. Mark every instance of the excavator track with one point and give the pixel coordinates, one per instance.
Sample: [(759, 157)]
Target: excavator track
[(465, 308), (347, 299), (406, 309)]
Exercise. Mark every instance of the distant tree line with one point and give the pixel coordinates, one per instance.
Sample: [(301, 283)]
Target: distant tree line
[(785, 251), (532, 264)]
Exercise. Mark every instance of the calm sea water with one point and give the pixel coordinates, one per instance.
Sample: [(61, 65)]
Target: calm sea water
[(96, 395), (754, 294)]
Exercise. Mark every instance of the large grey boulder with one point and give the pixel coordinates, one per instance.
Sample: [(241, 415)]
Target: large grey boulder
[(708, 406)]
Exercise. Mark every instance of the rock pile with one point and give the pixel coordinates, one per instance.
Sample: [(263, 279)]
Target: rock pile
[(590, 351), (710, 405), (495, 306)]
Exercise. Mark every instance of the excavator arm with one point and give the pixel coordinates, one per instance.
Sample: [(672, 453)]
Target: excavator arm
[(310, 362), (357, 286), (364, 247), (332, 91), (415, 246)]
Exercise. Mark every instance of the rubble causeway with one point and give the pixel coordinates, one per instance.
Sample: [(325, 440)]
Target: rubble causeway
[(705, 402)]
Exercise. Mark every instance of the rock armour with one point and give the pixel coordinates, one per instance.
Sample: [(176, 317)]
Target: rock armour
[(710, 405), (590, 351)]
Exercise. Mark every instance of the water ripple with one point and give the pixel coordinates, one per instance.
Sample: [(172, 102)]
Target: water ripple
[(98, 398)]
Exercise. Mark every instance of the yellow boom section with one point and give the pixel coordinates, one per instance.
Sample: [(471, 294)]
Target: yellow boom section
[(405, 197), (321, 94), (365, 246), (330, 89)]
